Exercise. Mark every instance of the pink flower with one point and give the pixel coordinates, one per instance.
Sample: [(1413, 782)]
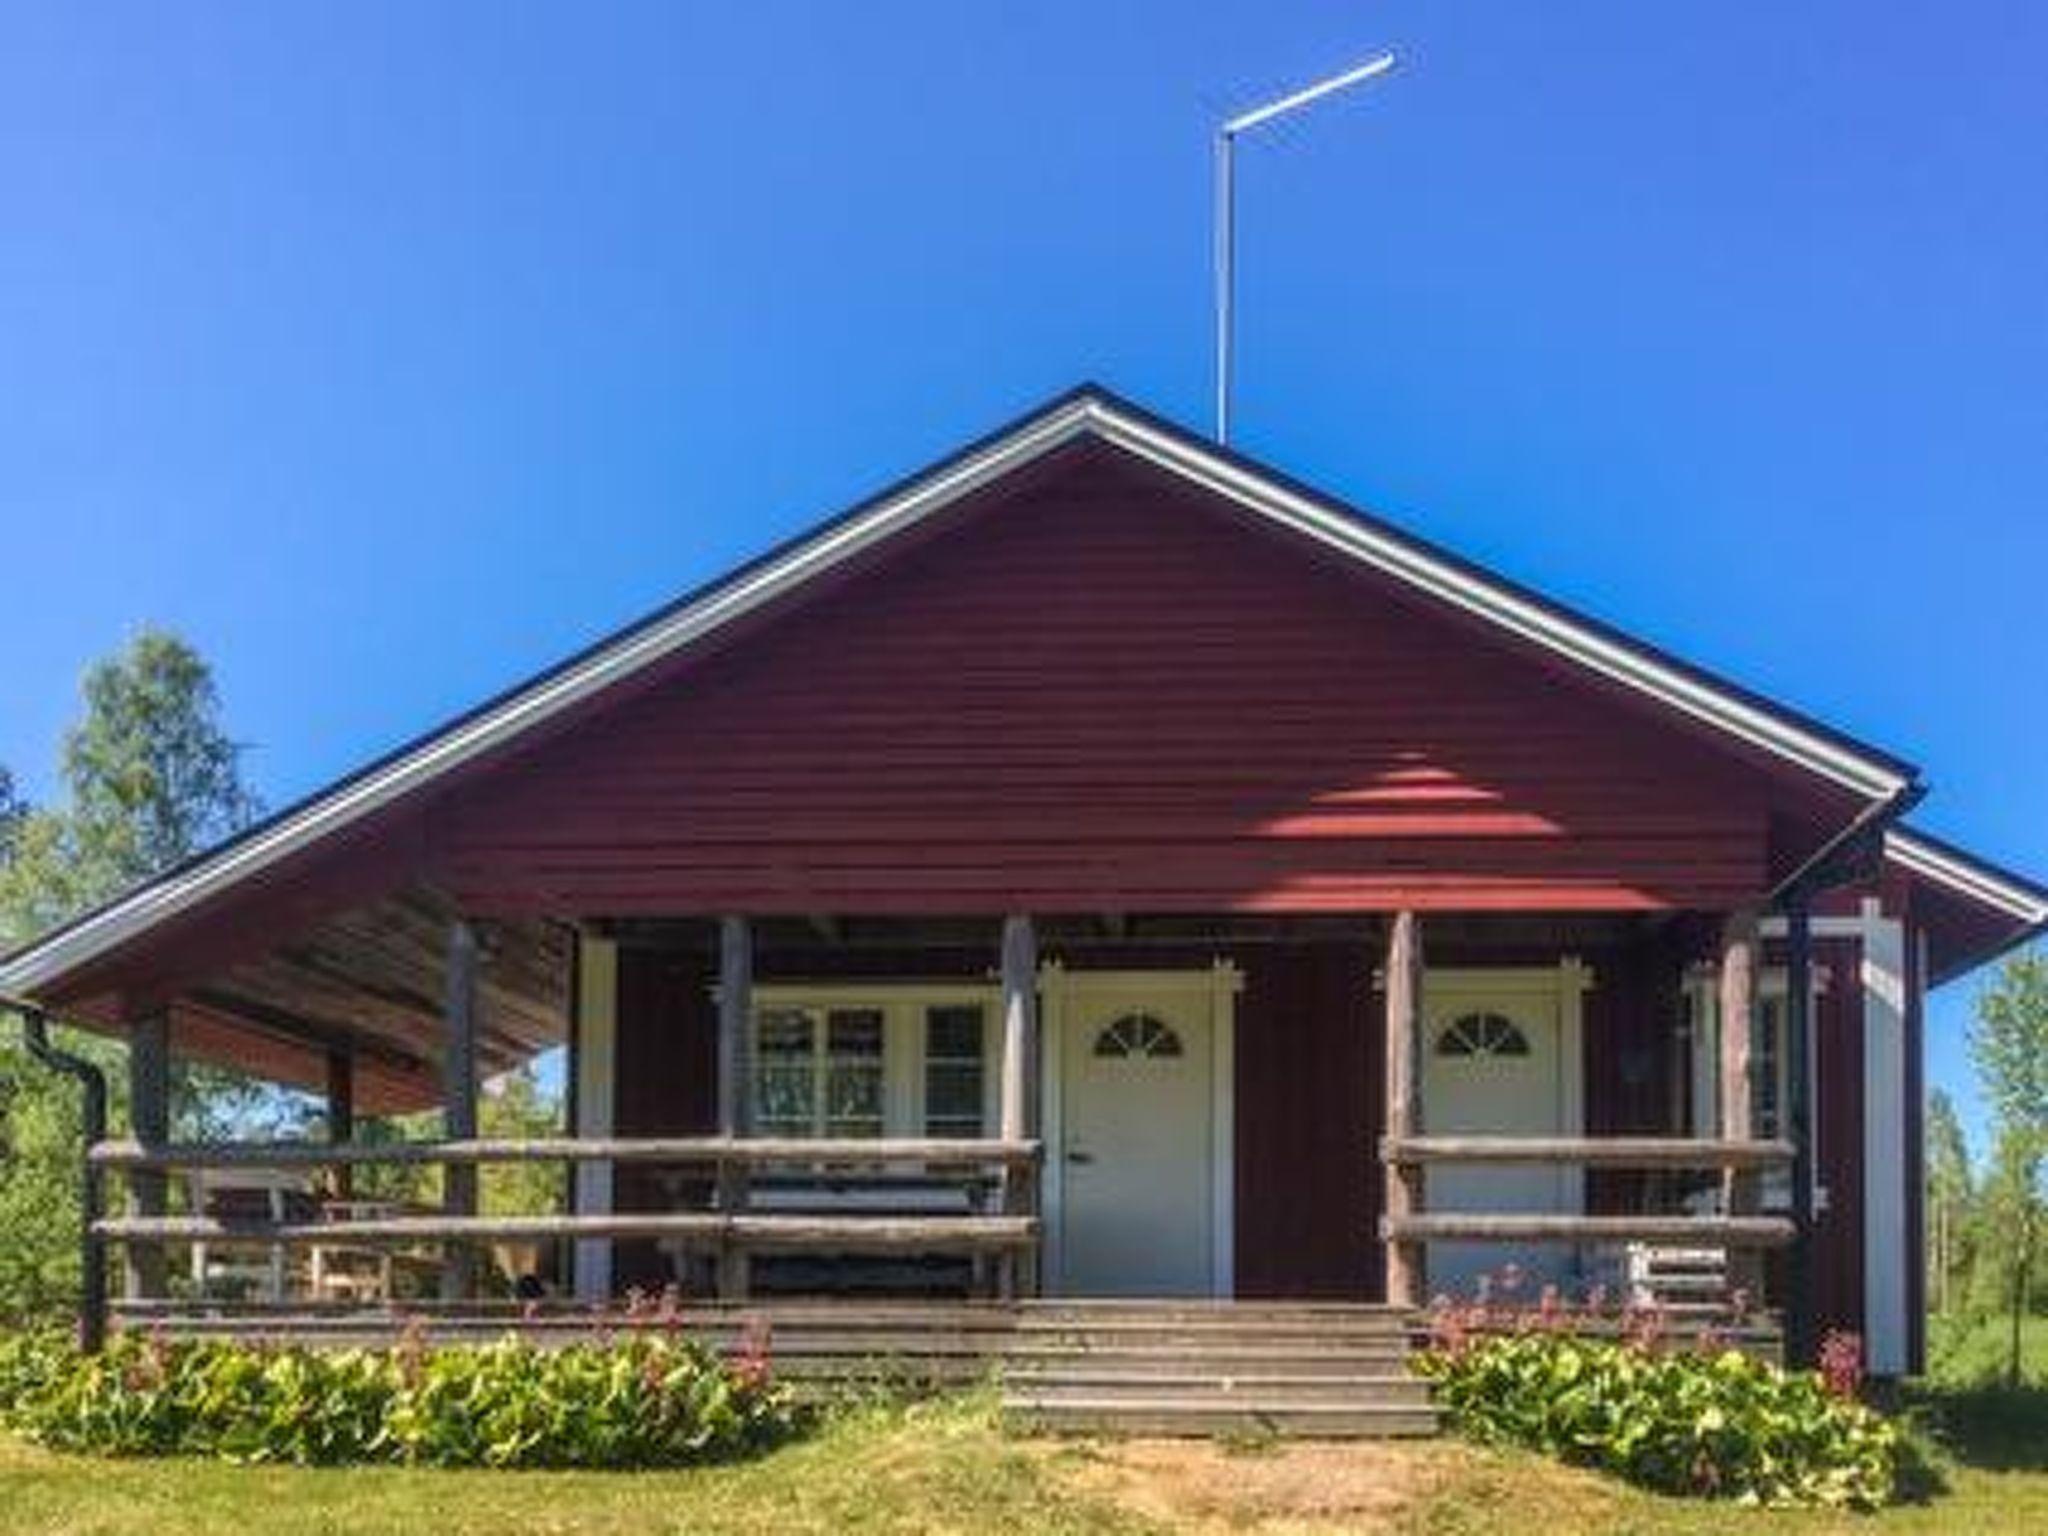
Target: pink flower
[(1841, 1363)]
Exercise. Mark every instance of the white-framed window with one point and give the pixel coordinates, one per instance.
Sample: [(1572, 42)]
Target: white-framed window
[(956, 1076), (819, 1071), (873, 1059)]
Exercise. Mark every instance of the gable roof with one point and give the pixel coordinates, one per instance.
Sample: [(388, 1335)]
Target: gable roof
[(1088, 412)]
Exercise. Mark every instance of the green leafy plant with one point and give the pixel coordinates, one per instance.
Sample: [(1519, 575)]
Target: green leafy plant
[(644, 1399), (1721, 1424)]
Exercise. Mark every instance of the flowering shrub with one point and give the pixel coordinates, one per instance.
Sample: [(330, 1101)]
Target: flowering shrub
[(644, 1399), (1703, 1420)]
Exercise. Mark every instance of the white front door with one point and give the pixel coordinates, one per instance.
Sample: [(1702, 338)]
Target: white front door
[(1138, 1137), (1496, 1062)]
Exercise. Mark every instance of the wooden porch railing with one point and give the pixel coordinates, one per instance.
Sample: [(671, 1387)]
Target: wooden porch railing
[(1408, 1230), (730, 1231)]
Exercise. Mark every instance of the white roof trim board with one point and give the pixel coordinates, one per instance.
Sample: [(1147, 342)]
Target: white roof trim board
[(1966, 877), (1085, 413)]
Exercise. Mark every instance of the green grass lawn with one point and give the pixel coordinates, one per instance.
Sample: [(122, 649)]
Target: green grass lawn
[(950, 1467), (1971, 1351)]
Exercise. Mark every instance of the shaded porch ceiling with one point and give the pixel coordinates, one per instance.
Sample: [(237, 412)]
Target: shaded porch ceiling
[(369, 982)]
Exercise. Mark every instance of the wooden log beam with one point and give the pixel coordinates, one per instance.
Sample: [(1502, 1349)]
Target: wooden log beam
[(1802, 1344), (1703, 1231), (735, 1082), (756, 1231), (1403, 1183), (459, 1084), (1740, 1196), (1590, 1151), (341, 1112), (1019, 971), (1020, 1028), (1737, 993), (735, 1023), (755, 1152), (149, 1112)]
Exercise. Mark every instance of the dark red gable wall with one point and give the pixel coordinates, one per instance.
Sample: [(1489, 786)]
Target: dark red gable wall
[(1110, 694)]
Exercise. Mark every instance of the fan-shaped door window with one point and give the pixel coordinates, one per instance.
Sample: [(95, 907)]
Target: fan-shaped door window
[(1482, 1034), (1137, 1034)]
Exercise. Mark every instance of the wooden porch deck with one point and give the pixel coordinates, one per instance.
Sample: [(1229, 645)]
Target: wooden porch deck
[(1325, 1369)]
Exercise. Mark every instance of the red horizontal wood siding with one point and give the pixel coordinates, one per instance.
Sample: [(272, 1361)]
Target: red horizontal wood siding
[(1109, 692), (1311, 1097), (666, 1084)]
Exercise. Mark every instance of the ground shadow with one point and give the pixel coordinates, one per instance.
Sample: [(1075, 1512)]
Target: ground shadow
[(1991, 1428)]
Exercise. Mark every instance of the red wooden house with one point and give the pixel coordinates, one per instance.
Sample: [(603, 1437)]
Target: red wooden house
[(1267, 903)]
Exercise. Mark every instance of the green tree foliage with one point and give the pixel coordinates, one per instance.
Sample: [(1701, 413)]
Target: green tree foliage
[(2009, 1045), (149, 778), (515, 1107), (1949, 1204), (41, 1130), (13, 812)]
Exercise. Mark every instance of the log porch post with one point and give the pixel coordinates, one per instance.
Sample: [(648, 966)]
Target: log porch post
[(1801, 1345), (735, 1083), (458, 1092), (149, 1113), (1735, 1076), (1019, 1084), (1403, 1186), (341, 1112)]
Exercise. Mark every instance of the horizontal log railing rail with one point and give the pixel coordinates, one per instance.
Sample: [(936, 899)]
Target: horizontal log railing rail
[(1718, 1231), (1589, 1151), (1409, 1229), (761, 1232), (732, 1230), (710, 1151)]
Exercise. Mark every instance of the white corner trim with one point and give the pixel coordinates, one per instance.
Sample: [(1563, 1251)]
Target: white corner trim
[(1885, 1250), (1632, 665), (1052, 1104), (597, 991), (1226, 983)]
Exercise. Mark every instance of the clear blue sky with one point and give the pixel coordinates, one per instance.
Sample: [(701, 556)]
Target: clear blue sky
[(390, 351)]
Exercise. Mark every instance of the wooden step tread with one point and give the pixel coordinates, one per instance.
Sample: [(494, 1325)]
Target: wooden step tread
[(1176, 1418)]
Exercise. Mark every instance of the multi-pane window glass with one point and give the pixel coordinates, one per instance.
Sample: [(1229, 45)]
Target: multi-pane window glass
[(1482, 1034), (1137, 1034), (818, 1072), (1767, 1074), (953, 1067), (853, 1072), (786, 1071)]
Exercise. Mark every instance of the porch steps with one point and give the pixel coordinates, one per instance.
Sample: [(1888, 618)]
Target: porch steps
[(1166, 1368)]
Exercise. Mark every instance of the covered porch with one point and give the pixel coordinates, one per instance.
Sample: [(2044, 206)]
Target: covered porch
[(1361, 1107)]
